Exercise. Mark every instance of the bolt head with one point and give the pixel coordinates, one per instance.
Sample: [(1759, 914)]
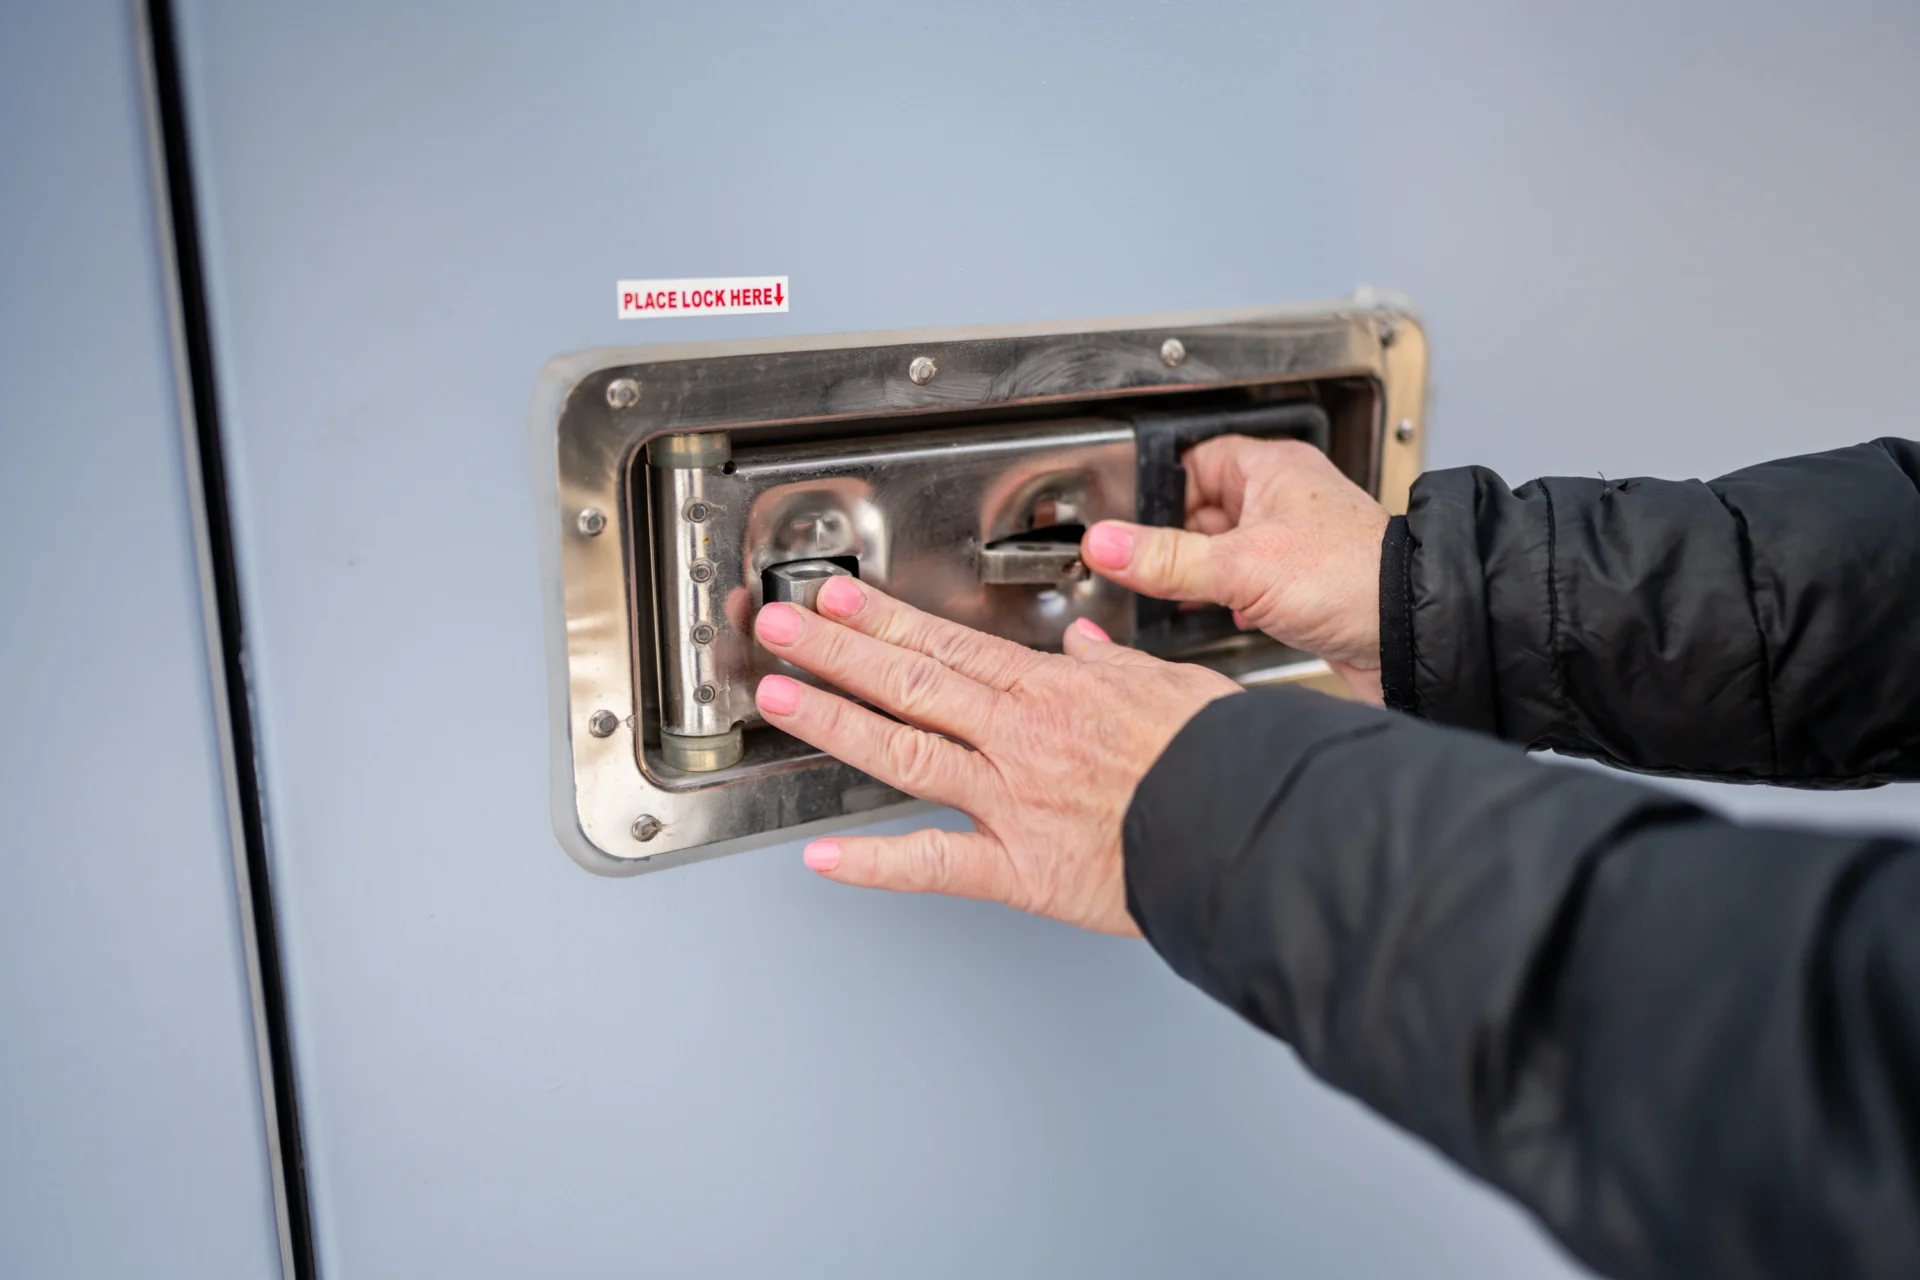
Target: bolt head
[(701, 571), (1403, 430), (705, 693), (623, 393), (698, 511), (1172, 352), (1389, 329), (592, 521), (602, 723), (646, 827), (704, 633), (922, 370)]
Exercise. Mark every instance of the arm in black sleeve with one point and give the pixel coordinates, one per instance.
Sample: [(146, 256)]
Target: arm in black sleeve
[(1691, 1048), (1762, 626)]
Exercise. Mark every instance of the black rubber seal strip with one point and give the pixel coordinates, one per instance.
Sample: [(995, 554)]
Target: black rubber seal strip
[(187, 265), (1397, 685)]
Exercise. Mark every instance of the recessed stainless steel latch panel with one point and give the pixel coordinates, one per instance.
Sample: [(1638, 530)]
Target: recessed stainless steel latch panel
[(685, 487), (977, 524)]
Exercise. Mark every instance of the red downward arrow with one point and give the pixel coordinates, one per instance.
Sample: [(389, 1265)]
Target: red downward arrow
[(778, 295)]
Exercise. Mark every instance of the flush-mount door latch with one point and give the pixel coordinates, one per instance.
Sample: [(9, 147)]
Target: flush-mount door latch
[(980, 525), (683, 488)]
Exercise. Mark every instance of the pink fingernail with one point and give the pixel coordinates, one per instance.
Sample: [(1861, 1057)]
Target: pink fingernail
[(777, 695), (840, 595), (778, 624), (1093, 629), (821, 855), (1110, 546)]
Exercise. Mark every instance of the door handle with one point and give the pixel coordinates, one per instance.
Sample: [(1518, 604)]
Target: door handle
[(1044, 557)]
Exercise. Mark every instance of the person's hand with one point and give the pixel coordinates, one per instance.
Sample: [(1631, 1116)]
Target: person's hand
[(1278, 535), (1059, 742)]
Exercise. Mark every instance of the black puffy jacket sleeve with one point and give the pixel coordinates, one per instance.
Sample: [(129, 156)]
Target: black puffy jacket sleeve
[(1764, 626), (1691, 1048)]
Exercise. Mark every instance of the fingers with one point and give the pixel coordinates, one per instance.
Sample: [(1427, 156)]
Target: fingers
[(990, 660), (908, 759), (963, 863), (898, 680), (1211, 521), (1219, 470), (1172, 564)]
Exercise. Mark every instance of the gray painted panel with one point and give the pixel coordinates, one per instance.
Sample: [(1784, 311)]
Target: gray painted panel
[(131, 1132), (1649, 238)]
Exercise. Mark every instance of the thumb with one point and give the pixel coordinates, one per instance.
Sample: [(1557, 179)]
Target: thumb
[(1172, 564)]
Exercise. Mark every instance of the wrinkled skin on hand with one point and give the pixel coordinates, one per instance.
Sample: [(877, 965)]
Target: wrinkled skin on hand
[(1277, 534), (1059, 742)]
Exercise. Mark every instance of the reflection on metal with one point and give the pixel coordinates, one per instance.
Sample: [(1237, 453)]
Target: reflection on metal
[(733, 459)]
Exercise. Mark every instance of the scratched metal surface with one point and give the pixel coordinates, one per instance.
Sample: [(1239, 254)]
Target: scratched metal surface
[(131, 1133), (1647, 238)]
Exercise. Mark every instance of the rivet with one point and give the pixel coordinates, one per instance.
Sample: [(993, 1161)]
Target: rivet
[(623, 393), (698, 511), (922, 370), (704, 633), (602, 723), (701, 571), (1388, 331), (1403, 431), (1172, 352), (592, 521), (646, 827), (705, 693)]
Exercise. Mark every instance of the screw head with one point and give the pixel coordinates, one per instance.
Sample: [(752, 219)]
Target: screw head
[(602, 723), (592, 521), (1389, 330), (1172, 352), (698, 511), (646, 827), (1403, 430), (705, 693), (623, 393), (922, 370), (701, 571), (704, 633)]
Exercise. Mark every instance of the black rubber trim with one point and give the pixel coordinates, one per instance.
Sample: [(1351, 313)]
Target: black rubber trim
[(1160, 442), (168, 83), (1397, 684)]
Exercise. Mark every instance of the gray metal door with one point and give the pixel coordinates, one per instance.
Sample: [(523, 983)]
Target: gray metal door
[(133, 1135), (1647, 238)]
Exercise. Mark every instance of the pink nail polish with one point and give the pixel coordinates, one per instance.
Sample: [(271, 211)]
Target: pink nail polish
[(1110, 546), (841, 596), (777, 695), (1093, 629), (778, 624), (821, 855)]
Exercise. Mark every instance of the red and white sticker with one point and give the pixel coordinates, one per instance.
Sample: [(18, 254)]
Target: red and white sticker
[(721, 296)]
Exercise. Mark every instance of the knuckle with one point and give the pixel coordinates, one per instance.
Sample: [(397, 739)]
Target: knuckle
[(915, 759), (954, 647), (914, 688), (929, 860), (1178, 559), (825, 646), (828, 716), (891, 622)]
